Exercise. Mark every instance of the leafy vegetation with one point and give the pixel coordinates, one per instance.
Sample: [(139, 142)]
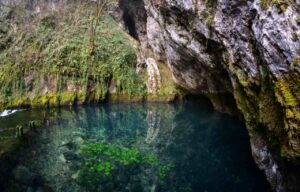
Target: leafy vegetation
[(49, 62), (103, 162)]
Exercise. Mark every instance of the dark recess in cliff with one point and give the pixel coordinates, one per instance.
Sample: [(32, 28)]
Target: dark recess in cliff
[(128, 18), (134, 17)]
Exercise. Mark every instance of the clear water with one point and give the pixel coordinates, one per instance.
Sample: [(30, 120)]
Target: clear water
[(192, 147)]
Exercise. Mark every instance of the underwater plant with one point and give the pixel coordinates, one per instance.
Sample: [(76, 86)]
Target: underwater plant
[(104, 163)]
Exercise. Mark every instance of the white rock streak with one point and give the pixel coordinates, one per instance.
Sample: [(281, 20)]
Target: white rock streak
[(154, 79)]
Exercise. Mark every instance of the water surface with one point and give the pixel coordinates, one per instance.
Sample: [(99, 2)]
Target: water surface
[(133, 147)]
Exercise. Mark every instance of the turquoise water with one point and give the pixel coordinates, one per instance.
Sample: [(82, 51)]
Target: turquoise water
[(133, 147)]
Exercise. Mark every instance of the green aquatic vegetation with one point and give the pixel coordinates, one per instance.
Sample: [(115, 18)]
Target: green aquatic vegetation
[(104, 161), (287, 91), (164, 170), (151, 160)]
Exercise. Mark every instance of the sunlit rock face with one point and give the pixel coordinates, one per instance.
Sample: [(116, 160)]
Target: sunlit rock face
[(249, 49)]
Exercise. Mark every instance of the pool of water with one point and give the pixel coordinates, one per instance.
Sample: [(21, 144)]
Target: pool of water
[(133, 147)]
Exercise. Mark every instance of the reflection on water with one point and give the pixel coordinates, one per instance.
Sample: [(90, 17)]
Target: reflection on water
[(208, 151), (8, 112)]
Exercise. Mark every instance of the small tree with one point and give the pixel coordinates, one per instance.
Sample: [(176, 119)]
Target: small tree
[(101, 7)]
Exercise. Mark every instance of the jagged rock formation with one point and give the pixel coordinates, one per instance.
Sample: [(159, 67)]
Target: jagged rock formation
[(131, 16), (249, 49)]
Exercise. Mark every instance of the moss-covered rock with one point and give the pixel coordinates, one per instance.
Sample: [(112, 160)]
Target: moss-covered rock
[(281, 5), (287, 90)]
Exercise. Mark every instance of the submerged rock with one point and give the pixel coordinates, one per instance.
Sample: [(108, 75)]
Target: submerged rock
[(75, 176), (71, 156), (25, 176), (78, 141)]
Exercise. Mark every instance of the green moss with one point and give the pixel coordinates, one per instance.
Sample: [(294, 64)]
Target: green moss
[(264, 115), (294, 37), (243, 78), (288, 91), (294, 63), (265, 4), (168, 91), (289, 114), (248, 109), (297, 116), (281, 5), (243, 101), (210, 21), (270, 108), (40, 101), (298, 20)]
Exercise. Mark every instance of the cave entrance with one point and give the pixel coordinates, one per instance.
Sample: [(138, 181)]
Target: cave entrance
[(130, 24), (131, 15)]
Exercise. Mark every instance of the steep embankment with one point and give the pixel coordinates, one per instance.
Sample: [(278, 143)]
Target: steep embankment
[(56, 53), (248, 49)]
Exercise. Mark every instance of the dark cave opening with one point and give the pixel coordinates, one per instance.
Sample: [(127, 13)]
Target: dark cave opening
[(130, 25), (134, 17)]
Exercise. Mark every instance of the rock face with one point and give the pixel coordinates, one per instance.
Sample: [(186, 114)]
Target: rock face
[(249, 49), (154, 80)]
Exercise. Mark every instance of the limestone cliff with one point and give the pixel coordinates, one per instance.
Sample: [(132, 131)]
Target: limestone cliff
[(249, 49)]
